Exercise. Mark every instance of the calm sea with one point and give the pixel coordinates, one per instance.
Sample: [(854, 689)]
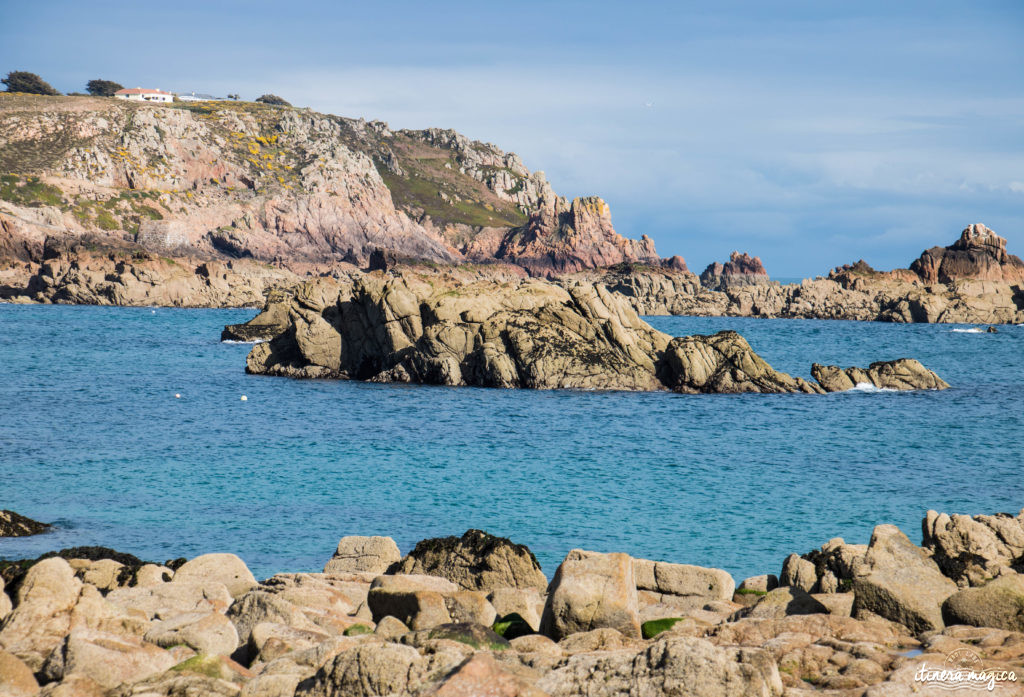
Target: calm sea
[(93, 439)]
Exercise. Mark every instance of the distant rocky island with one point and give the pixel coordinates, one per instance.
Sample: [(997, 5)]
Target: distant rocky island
[(217, 204), (475, 615)]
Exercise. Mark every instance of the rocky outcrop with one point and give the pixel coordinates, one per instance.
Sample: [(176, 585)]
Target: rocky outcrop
[(92, 274), (900, 582), (740, 270), (523, 333), (592, 591), (979, 254), (971, 550), (999, 603), (902, 374), (476, 561), (16, 525), (564, 238)]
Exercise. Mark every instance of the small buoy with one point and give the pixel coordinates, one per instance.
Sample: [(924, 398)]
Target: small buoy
[(177, 396), (153, 311), (244, 398)]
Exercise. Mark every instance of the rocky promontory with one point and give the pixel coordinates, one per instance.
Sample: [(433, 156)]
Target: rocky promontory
[(441, 329), (474, 615)]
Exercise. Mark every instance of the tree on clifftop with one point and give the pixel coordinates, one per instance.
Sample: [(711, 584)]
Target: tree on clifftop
[(103, 88), (272, 99), (20, 81)]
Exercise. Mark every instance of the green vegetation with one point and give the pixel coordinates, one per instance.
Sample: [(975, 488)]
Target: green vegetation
[(415, 192), (103, 88), (653, 628), (29, 191), (512, 626), (750, 591), (357, 629), (29, 83), (204, 665), (272, 99)]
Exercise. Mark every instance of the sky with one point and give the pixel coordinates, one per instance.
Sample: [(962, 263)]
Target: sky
[(811, 134)]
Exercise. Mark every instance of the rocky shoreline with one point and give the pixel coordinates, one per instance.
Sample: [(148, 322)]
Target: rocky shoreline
[(475, 615)]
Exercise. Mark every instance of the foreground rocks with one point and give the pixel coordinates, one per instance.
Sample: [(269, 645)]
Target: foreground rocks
[(607, 624), (16, 525), (447, 330)]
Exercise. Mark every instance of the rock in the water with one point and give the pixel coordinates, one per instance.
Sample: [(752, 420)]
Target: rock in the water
[(999, 603), (901, 374), (475, 561), (723, 362), (674, 666), (900, 582), (363, 554), (15, 525), (590, 591), (223, 568), (973, 549)]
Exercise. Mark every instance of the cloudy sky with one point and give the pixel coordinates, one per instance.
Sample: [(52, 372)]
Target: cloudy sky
[(809, 133)]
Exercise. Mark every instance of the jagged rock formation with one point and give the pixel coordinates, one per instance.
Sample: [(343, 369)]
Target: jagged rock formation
[(288, 187), (740, 270), (522, 333), (973, 549), (560, 239), (979, 254)]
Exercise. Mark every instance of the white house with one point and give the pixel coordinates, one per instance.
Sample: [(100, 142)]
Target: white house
[(137, 94)]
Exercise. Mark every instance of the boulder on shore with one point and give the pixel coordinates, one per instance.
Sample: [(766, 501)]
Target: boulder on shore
[(358, 554), (973, 549), (591, 591), (475, 561)]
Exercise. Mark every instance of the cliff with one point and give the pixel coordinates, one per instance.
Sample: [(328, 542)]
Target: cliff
[(289, 187)]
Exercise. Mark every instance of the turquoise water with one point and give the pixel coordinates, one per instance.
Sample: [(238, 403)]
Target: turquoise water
[(92, 438)]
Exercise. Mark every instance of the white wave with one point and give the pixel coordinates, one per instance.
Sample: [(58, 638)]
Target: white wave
[(232, 341), (972, 330), (868, 387)]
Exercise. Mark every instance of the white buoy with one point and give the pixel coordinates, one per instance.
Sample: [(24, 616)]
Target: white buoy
[(153, 311), (244, 398), (177, 396)]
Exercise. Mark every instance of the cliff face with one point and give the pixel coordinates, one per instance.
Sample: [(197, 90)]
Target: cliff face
[(279, 185)]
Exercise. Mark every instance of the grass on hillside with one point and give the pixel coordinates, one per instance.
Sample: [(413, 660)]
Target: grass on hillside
[(29, 191)]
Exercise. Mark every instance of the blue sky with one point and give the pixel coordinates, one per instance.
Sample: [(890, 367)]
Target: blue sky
[(809, 133)]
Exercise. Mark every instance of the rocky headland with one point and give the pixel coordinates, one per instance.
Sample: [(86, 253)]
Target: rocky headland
[(214, 205), (475, 615), (446, 329), (16, 525)]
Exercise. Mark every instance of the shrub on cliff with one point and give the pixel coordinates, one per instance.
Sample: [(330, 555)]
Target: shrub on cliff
[(103, 88), (30, 83), (272, 99)]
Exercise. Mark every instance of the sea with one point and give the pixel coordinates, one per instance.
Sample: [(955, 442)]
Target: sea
[(127, 428)]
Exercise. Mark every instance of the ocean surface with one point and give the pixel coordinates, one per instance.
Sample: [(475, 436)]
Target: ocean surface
[(93, 439)]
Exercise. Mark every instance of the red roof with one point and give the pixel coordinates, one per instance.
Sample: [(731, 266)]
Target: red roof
[(139, 90)]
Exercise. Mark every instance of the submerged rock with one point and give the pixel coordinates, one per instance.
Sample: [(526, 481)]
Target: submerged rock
[(16, 525)]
